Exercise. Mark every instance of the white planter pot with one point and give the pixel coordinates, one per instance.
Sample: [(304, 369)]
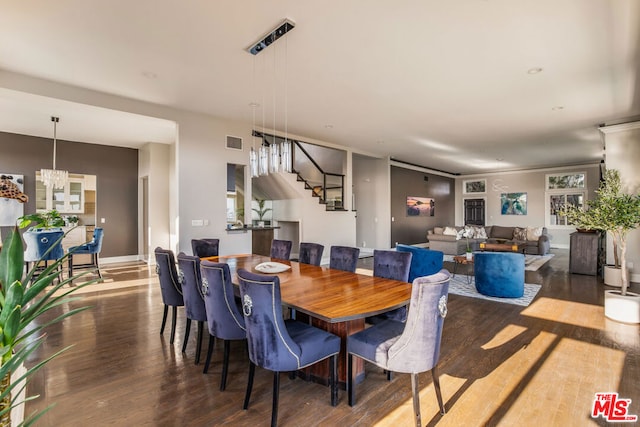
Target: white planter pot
[(613, 276), (622, 308)]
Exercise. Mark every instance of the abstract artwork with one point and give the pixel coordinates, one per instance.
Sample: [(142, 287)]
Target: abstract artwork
[(12, 198), (513, 203), (420, 206)]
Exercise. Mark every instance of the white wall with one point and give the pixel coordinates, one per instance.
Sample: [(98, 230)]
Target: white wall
[(531, 182), (371, 187), (622, 144)]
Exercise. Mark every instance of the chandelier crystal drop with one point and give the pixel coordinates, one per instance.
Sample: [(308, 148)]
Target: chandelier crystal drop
[(54, 178)]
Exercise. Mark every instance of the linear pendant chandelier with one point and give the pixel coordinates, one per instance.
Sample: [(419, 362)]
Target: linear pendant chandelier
[(270, 157), (54, 178)]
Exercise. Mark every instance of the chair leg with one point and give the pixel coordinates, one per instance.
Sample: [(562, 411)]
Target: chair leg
[(186, 335), (199, 343), (247, 395), (212, 341), (274, 406), (333, 383), (389, 375), (416, 398), (95, 262), (71, 267), (164, 318), (173, 324), (351, 386), (436, 384), (225, 365)]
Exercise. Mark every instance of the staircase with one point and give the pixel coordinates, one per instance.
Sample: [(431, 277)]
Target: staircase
[(330, 192)]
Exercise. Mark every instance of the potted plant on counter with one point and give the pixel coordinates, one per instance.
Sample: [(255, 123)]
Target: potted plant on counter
[(261, 211), (616, 213)]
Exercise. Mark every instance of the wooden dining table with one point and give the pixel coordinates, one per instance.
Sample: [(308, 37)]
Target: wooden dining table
[(334, 300)]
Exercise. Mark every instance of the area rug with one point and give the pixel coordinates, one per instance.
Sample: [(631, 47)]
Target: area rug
[(460, 285), (531, 262)]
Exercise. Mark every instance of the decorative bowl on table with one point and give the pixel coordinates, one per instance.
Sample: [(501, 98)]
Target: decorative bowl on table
[(272, 267)]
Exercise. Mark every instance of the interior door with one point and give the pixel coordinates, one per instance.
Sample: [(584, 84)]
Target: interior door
[(474, 211)]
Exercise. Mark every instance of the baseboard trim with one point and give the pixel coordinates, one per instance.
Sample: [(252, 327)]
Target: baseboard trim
[(117, 259)]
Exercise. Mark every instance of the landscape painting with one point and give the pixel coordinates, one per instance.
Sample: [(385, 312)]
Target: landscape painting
[(513, 203), (420, 206)]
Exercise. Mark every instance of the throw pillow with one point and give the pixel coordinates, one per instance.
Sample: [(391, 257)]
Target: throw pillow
[(480, 233), (533, 233), (438, 230), (519, 233), (450, 231)]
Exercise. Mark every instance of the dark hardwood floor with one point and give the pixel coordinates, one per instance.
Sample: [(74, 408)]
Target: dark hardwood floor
[(500, 364)]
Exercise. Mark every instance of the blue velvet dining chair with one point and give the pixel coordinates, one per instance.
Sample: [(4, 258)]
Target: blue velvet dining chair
[(424, 262), (92, 248), (224, 318), (310, 253), (412, 347), (344, 258), (499, 274), (169, 286), (281, 249), (205, 247), (43, 245), (280, 345), (391, 265), (191, 280)]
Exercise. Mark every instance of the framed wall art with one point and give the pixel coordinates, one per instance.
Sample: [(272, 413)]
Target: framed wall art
[(513, 203), (420, 206), (474, 186)]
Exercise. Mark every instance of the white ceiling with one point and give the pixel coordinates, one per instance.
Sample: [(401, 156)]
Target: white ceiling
[(443, 84)]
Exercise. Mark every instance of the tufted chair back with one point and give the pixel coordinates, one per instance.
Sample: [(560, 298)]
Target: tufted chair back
[(191, 281), (344, 258), (168, 277), (281, 249), (205, 247), (418, 348), (311, 253), (270, 345), (224, 318), (45, 244), (424, 262)]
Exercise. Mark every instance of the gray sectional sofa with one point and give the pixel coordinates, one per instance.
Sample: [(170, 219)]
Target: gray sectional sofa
[(445, 239)]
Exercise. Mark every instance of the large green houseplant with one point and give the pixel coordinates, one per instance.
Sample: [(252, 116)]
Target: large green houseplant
[(24, 298), (44, 220), (616, 213)]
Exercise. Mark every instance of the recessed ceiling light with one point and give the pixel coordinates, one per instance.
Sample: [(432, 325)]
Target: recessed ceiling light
[(535, 70), (254, 105), (150, 74), (328, 126), (380, 141), (500, 159), (557, 108)]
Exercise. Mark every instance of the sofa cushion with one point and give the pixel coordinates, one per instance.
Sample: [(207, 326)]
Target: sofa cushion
[(438, 230), (479, 232), (520, 234), (450, 231), (500, 232), (534, 233)]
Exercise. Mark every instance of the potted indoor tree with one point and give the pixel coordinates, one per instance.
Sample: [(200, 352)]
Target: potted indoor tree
[(616, 213), (21, 330)]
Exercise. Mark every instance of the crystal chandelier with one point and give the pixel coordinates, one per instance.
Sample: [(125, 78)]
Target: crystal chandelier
[(54, 178)]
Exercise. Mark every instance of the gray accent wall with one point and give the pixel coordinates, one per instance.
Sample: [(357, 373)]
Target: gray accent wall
[(116, 170), (412, 183)]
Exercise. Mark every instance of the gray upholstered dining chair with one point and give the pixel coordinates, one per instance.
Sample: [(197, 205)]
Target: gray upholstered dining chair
[(344, 258), (391, 265), (281, 249), (310, 253), (191, 281), (224, 318), (280, 345), (410, 347), (169, 286), (205, 247)]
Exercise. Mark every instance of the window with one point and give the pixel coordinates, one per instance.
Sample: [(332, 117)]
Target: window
[(562, 190)]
